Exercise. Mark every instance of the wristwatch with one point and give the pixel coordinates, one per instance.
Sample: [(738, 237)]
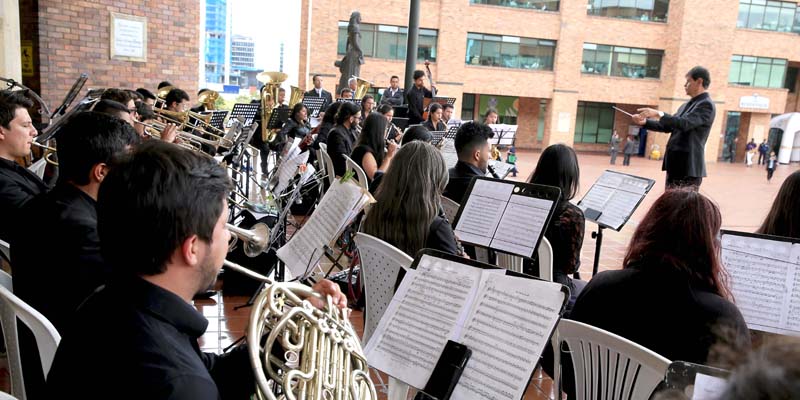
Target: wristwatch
[(660, 114)]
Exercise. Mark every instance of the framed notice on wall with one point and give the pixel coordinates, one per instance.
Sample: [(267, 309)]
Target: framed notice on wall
[(128, 37)]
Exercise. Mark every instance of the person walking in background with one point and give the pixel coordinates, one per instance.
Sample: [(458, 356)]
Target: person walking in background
[(772, 163), (750, 151), (631, 147), (511, 158), (614, 147), (763, 150)]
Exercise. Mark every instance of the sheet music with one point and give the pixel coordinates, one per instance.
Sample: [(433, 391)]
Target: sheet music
[(519, 313), (449, 153), (765, 281), (523, 219), (707, 387), (334, 211), (425, 312), (501, 168), (288, 168), (483, 211), (616, 196)]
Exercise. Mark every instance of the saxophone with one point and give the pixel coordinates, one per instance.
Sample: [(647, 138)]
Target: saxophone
[(323, 357)]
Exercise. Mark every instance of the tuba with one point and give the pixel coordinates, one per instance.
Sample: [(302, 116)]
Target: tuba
[(296, 96), (208, 98), (272, 85), (323, 358), (362, 87)]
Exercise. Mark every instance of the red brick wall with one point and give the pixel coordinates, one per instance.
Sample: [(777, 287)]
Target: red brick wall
[(74, 37)]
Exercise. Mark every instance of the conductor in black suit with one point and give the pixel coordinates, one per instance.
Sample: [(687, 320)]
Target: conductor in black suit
[(393, 95), (684, 158), (318, 91)]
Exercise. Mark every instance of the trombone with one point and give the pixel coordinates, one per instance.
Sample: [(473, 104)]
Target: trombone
[(182, 118)]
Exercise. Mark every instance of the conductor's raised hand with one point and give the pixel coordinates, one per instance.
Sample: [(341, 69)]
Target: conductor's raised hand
[(328, 288), (648, 112), (638, 119)]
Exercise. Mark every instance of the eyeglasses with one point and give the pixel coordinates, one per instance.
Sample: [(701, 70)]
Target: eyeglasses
[(132, 110)]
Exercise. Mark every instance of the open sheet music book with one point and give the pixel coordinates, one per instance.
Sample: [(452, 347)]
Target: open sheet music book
[(765, 280), (341, 203), (505, 320), (501, 168), (615, 195), (504, 215)]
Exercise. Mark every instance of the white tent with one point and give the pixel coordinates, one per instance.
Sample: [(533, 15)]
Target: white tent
[(789, 150)]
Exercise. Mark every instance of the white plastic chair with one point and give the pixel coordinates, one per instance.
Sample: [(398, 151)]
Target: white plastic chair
[(326, 158), (545, 256), (6, 396), (380, 265), (604, 361), (46, 335), (5, 249), (362, 176)]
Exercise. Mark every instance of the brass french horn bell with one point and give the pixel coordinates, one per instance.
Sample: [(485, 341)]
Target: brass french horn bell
[(256, 239)]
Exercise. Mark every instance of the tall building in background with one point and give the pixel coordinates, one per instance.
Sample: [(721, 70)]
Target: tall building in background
[(216, 37), (243, 66)]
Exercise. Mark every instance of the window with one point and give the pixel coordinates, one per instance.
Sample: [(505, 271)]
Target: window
[(541, 122), (627, 62), (388, 41), (468, 107), (780, 16), (542, 5), (757, 71), (642, 10), (510, 52), (594, 122), (507, 108)]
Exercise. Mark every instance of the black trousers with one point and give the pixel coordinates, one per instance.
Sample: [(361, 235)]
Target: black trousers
[(769, 173), (762, 158)]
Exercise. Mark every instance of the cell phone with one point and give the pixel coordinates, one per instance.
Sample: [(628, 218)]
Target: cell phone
[(448, 370)]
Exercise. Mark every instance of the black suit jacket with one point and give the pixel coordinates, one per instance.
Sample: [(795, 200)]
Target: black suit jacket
[(325, 95), (460, 177), (17, 186), (690, 126), (395, 100)]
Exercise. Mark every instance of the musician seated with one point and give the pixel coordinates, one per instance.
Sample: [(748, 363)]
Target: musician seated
[(417, 132), (168, 134), (408, 213), (671, 295), (783, 218), (447, 115), (137, 337), (147, 96), (352, 83), (558, 167), (343, 136), (115, 109), (393, 95), (346, 94), (163, 84), (388, 112), (490, 117), (17, 184), (373, 153), (328, 122), (472, 146), (177, 100), (434, 122), (120, 96), (296, 127)]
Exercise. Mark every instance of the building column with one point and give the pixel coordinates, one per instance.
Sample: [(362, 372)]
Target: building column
[(10, 51), (561, 115)]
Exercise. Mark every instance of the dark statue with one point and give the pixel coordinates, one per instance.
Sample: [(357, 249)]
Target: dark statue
[(350, 64)]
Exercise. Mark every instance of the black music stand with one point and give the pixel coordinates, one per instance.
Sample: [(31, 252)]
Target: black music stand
[(314, 105), (612, 191), (443, 100), (400, 122), (357, 101), (217, 118), (70, 97), (438, 136), (246, 110), (278, 117), (504, 137)]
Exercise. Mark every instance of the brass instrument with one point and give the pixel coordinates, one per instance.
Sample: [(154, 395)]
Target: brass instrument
[(256, 239), (48, 151), (182, 120), (323, 358), (161, 97), (296, 96), (362, 87), (269, 94), (154, 129), (208, 98)]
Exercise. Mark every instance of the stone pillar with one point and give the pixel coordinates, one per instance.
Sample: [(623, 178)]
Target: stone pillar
[(10, 52)]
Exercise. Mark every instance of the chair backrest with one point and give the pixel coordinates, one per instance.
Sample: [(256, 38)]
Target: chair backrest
[(362, 176), (608, 366), (380, 265), (326, 158), (450, 209), (545, 257), (5, 250), (6, 396), (46, 335)]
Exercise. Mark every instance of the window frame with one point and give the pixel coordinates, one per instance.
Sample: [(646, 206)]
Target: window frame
[(536, 52), (607, 60), (370, 41)]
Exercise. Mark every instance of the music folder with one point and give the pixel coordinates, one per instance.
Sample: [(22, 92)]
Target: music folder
[(505, 216), (764, 275), (613, 198), (505, 319)]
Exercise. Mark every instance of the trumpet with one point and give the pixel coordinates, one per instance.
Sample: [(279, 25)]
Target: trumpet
[(323, 357), (48, 151), (256, 239)]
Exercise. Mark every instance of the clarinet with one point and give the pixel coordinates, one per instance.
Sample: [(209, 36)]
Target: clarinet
[(494, 174)]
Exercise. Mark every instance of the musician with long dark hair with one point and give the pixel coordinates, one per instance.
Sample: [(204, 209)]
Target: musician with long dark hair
[(297, 124), (371, 152), (408, 213), (558, 167), (434, 122), (784, 217), (343, 136)]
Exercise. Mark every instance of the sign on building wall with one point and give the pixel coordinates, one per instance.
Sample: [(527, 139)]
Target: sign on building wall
[(128, 37), (26, 49), (755, 102)]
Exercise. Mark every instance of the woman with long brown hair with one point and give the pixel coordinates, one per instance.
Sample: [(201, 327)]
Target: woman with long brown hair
[(784, 216)]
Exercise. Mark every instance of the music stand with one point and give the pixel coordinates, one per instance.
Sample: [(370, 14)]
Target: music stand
[(357, 101), (278, 117), (610, 202), (400, 122), (443, 100), (217, 118), (246, 110), (504, 135), (438, 136), (314, 105), (70, 97)]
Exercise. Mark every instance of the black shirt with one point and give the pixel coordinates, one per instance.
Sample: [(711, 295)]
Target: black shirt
[(460, 177), (416, 104), (340, 144), (136, 340), (17, 186), (56, 281), (440, 126)]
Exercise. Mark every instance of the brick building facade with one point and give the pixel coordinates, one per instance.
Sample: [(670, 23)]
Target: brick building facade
[(550, 102), (73, 37)]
